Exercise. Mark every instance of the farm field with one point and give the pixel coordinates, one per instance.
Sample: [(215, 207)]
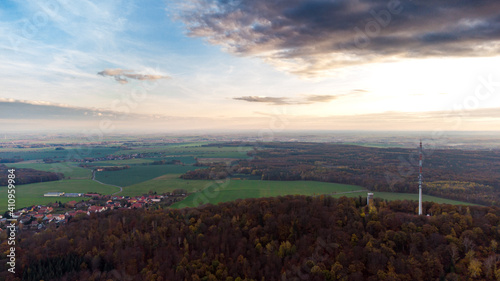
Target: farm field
[(241, 189), (140, 173), (165, 183), (139, 161), (66, 154), (122, 162), (69, 169), (30, 194), (207, 152)]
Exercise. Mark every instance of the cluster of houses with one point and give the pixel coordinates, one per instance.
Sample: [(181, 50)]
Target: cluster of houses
[(38, 217), (110, 157)]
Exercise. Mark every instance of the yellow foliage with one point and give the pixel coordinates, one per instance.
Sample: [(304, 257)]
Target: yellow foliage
[(475, 268)]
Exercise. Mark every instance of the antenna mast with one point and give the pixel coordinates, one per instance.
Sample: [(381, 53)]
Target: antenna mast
[(420, 179)]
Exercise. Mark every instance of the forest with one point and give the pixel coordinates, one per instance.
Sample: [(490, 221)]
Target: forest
[(280, 238), (25, 176), (378, 169)]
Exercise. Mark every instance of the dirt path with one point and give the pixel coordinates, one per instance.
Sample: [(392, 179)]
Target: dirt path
[(93, 178)]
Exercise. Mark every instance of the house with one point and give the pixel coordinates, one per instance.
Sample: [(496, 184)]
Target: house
[(75, 213), (60, 217), (38, 216), (95, 209), (45, 209), (80, 204), (136, 206), (71, 204), (70, 214), (48, 217)]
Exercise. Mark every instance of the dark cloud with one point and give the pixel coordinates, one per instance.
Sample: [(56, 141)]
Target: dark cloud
[(122, 76), (311, 37)]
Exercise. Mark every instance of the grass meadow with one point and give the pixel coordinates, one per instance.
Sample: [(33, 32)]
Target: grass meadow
[(140, 173), (31, 194), (69, 169), (241, 189)]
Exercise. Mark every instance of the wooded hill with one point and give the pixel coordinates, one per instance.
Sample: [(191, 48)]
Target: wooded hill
[(282, 238)]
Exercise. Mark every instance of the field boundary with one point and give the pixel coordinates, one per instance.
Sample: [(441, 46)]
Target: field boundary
[(119, 191)]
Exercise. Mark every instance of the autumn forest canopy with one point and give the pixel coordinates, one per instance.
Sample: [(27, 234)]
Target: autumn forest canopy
[(282, 238)]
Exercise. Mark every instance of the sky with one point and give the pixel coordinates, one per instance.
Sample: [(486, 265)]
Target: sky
[(269, 65)]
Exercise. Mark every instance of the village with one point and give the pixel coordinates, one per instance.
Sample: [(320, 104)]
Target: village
[(40, 217)]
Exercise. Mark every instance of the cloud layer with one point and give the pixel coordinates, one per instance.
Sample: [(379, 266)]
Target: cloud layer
[(122, 76), (308, 99), (21, 109), (311, 38), (16, 115)]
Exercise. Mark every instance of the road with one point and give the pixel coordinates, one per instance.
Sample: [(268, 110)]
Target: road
[(93, 178)]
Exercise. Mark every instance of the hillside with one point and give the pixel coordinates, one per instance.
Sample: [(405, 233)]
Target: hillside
[(282, 238)]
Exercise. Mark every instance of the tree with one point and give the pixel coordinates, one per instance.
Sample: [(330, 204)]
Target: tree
[(475, 268)]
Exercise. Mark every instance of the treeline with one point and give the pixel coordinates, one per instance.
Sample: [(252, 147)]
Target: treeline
[(378, 169), (26, 176), (10, 160), (113, 168), (214, 172), (282, 238), (165, 162)]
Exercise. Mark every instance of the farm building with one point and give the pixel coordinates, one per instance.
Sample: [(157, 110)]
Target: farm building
[(53, 194), (73, 195)]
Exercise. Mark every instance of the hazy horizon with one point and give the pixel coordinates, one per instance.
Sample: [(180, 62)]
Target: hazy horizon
[(173, 66)]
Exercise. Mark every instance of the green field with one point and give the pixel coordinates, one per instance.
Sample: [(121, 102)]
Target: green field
[(140, 173), (70, 170), (67, 154), (30, 194), (166, 183), (241, 189), (134, 161), (205, 151), (139, 161)]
